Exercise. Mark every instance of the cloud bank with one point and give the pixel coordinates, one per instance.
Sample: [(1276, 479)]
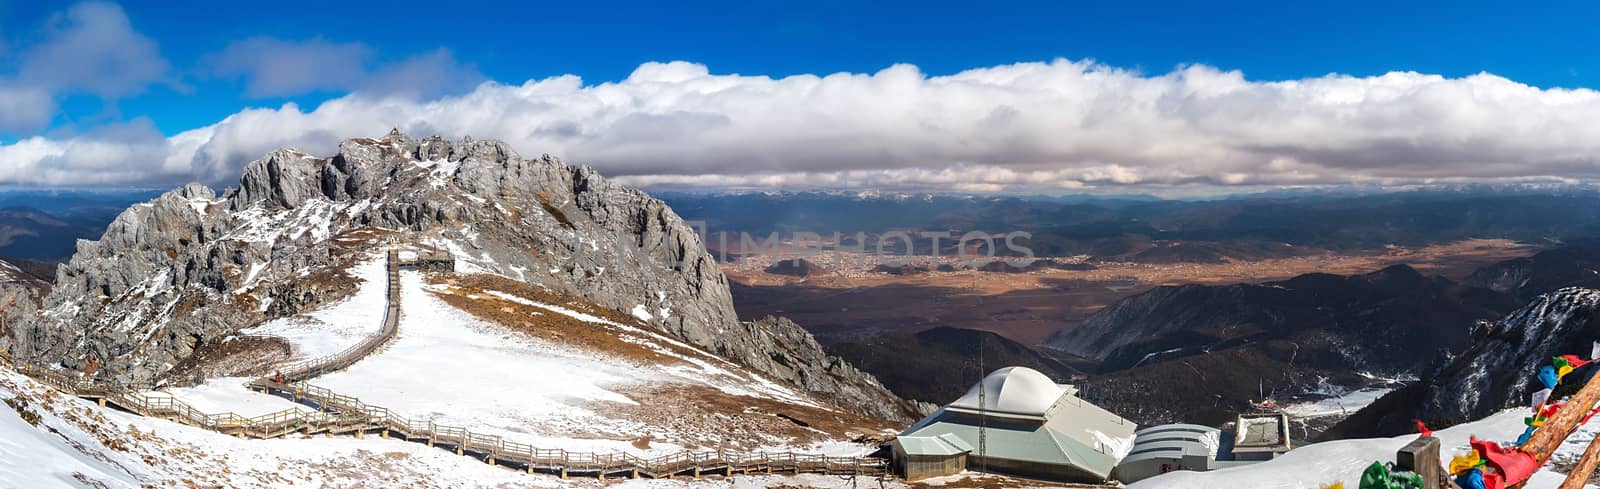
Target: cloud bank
[(1057, 126)]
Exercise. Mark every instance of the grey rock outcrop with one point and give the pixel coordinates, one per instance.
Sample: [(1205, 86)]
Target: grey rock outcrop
[(19, 300), (191, 267)]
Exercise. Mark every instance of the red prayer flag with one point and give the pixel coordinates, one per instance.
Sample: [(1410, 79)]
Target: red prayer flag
[(1516, 465), (1575, 362), (1423, 429)]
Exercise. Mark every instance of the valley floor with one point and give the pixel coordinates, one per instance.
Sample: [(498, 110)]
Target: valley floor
[(852, 302)]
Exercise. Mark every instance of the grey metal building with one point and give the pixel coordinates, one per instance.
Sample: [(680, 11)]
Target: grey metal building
[(1031, 427), (1171, 447)]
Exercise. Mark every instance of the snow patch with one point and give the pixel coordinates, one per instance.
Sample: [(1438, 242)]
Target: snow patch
[(1338, 405), (643, 314), (342, 325), (228, 395), (1343, 460)]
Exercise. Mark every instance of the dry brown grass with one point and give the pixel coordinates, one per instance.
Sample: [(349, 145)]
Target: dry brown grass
[(240, 355), (698, 412), (188, 305), (561, 217), (470, 293), (360, 238)]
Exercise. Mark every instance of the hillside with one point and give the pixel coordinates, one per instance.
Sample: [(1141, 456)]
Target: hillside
[(20, 272), (798, 267), (1575, 264), (938, 365), (1495, 372), (1335, 321)]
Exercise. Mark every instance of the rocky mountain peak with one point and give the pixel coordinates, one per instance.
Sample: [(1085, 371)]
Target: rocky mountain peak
[(189, 267)]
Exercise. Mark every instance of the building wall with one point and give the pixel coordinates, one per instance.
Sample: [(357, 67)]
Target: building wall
[(1035, 470), (915, 468), (1138, 470)]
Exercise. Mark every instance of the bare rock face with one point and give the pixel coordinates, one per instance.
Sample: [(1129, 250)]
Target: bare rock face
[(20, 295), (191, 267)]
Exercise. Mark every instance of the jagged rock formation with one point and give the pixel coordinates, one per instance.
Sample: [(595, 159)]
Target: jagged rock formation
[(191, 267), (1497, 372)]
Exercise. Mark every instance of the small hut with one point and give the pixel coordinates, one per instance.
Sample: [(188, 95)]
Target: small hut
[(427, 258), (922, 457), (1262, 436)]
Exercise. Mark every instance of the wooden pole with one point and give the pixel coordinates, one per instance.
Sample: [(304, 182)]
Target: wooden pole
[(1579, 476), (1547, 438)]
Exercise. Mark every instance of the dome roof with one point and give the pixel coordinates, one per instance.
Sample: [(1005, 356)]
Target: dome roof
[(1018, 390)]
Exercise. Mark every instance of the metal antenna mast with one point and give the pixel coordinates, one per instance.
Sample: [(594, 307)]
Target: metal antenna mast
[(983, 415), (983, 391)]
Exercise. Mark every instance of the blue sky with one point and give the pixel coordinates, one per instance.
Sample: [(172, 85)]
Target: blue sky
[(1542, 45), (85, 82)]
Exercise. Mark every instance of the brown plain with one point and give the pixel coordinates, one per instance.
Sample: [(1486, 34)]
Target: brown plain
[(1028, 307)]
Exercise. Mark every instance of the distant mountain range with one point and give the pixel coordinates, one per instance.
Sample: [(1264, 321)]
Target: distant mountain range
[(1201, 353), (1144, 229), (45, 225)]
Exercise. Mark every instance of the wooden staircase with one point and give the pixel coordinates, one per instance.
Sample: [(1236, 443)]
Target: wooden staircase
[(338, 414)]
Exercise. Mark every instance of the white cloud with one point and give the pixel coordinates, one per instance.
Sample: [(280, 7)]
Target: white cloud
[(275, 67), (1030, 126)]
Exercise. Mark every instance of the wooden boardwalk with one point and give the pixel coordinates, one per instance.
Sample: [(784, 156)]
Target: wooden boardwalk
[(338, 414)]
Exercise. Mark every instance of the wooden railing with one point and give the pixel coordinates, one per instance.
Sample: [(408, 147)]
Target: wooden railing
[(342, 414)]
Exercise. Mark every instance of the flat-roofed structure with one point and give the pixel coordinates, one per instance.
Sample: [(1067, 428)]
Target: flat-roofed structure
[(1031, 427), (1261, 436), (421, 257)]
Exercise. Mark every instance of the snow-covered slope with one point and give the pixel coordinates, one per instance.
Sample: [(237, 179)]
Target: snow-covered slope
[(1323, 463), (341, 325), (452, 367), (10, 273), (77, 444)]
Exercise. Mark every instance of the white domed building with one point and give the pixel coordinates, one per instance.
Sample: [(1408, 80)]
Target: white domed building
[(1030, 427)]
